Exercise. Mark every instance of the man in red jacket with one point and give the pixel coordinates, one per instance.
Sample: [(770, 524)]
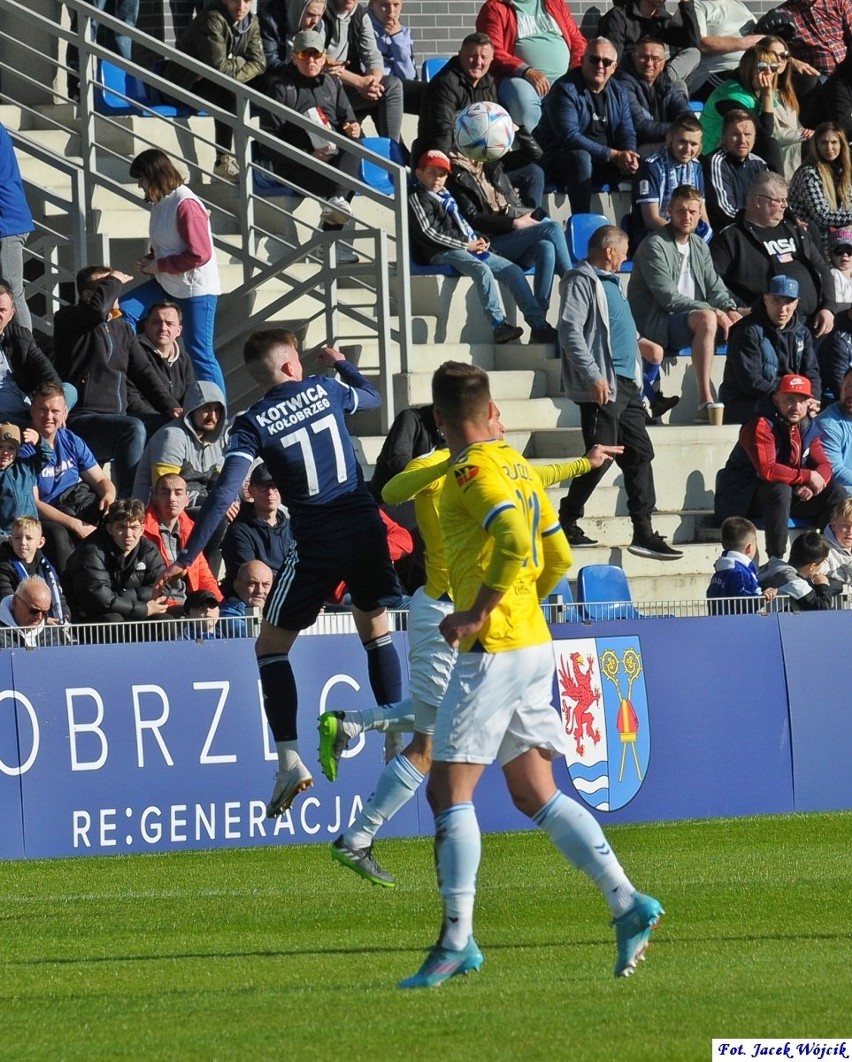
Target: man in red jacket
[(168, 526), (535, 42), (778, 469)]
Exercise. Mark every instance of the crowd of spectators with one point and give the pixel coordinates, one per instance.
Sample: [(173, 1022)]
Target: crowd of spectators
[(740, 232)]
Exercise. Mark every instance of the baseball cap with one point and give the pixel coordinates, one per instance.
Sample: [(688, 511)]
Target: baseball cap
[(309, 41), (786, 286), (795, 385), (435, 158), (10, 433), (841, 238), (199, 599), (260, 474)]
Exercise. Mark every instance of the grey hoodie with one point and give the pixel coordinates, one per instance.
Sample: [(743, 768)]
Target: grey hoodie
[(177, 447)]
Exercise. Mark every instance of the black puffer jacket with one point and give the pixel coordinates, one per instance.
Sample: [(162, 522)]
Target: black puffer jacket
[(103, 586)]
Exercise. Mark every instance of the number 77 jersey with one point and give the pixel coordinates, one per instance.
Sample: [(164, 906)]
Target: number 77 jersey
[(298, 429), (495, 523)]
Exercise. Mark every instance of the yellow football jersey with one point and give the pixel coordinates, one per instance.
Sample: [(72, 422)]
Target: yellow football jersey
[(423, 479), (494, 519)]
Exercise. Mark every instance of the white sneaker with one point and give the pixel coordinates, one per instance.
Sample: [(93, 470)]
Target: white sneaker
[(336, 212), (227, 168), (288, 785)]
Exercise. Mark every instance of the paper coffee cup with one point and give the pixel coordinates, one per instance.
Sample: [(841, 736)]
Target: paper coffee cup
[(715, 412)]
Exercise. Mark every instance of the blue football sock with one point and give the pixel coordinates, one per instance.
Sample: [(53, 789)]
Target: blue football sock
[(280, 699), (398, 783), (577, 835), (383, 669), (458, 847)]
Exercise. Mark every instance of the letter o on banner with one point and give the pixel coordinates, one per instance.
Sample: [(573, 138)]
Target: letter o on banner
[(13, 695)]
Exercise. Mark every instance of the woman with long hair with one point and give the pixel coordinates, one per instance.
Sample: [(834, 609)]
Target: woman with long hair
[(821, 188), (181, 262), (754, 90), (789, 131)]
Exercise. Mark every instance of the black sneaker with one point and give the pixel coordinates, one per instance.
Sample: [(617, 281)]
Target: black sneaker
[(662, 405), (548, 334), (650, 544), (577, 538), (506, 333)]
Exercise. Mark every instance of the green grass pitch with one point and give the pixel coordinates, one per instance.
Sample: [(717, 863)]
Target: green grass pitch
[(281, 954)]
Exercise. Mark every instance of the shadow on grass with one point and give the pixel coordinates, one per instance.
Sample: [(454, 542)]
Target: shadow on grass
[(275, 953)]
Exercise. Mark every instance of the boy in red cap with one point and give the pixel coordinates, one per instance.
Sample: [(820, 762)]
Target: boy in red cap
[(441, 236)]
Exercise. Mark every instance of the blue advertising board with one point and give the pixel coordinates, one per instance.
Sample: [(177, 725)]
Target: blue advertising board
[(162, 747), (815, 649)]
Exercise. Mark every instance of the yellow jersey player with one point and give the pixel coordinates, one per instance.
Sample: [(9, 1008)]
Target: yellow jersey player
[(505, 551), (430, 660)]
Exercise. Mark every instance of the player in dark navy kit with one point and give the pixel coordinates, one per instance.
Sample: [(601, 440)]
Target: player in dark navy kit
[(298, 429)]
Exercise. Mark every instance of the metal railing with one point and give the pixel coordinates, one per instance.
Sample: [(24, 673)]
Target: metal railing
[(259, 234)]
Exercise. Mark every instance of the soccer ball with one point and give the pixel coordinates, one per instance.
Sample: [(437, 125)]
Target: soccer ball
[(484, 132)]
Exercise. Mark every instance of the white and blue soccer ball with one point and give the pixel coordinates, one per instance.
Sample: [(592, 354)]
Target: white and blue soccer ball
[(484, 131)]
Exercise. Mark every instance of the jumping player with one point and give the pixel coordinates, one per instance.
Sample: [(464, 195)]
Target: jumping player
[(504, 553), (298, 429), (430, 659)]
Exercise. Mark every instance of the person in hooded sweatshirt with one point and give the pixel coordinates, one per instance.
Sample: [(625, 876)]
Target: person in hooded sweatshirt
[(802, 578), (735, 574), (191, 446), (280, 21), (771, 342), (160, 341)]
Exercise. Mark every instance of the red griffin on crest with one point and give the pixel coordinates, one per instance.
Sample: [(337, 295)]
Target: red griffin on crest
[(579, 690)]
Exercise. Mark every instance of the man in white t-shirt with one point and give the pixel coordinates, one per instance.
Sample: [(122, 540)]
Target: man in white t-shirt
[(727, 29)]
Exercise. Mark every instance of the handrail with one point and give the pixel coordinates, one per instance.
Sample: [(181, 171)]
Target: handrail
[(382, 278)]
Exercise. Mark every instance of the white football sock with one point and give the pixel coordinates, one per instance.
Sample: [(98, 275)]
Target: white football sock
[(577, 835)]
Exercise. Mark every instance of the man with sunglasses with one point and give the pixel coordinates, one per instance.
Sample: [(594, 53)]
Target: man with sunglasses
[(23, 616), (586, 129)]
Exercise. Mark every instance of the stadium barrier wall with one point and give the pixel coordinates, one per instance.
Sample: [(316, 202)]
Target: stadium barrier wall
[(162, 747)]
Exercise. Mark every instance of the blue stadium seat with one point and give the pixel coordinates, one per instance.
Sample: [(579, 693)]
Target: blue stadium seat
[(269, 187), (433, 66), (696, 106), (598, 586), (578, 230), (686, 352), (561, 601), (116, 84), (374, 175)]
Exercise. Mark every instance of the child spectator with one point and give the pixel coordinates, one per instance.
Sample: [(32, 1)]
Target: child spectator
[(801, 578), (201, 609), (18, 475), (840, 256), (21, 558), (441, 236), (734, 573), (838, 535)]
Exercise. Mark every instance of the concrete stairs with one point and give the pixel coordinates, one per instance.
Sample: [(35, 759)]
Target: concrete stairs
[(447, 323)]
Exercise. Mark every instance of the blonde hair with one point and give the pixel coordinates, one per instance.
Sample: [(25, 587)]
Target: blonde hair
[(843, 511), (26, 523), (837, 188)]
